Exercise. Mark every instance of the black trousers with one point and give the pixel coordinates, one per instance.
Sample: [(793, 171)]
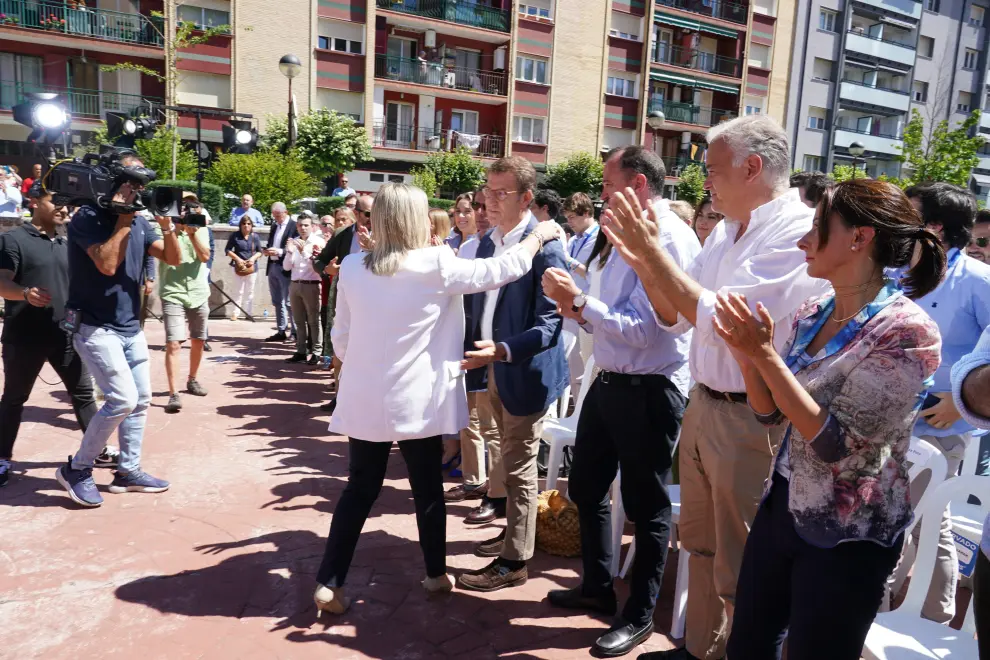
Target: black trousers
[(823, 599), (981, 604), (22, 363), (367, 464), (629, 423)]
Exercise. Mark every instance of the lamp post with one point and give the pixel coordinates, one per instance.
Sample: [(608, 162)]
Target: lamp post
[(857, 149), (290, 66), (656, 121)]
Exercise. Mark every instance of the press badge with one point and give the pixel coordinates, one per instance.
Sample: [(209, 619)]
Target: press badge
[(71, 321)]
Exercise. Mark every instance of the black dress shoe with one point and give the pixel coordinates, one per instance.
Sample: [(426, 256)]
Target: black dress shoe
[(486, 512), (672, 654), (313, 360), (297, 358), (621, 638), (329, 406), (278, 336), (574, 599)]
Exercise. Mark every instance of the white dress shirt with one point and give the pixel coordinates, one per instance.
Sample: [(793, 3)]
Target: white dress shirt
[(502, 243), (629, 338), (10, 201), (579, 248), (469, 248), (766, 266), (301, 262), (279, 230)]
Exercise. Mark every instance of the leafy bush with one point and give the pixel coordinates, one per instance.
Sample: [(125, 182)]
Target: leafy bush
[(212, 197), (445, 204), (327, 205), (327, 143), (582, 172), (425, 179), (691, 186), (156, 153), (266, 175), (454, 172)]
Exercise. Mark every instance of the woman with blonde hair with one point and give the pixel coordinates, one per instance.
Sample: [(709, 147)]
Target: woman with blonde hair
[(401, 377), (439, 226), (343, 217)]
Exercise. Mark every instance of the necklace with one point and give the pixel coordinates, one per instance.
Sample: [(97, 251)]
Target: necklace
[(856, 313), (846, 291)]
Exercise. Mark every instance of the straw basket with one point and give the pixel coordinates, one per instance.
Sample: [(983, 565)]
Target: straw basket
[(557, 527)]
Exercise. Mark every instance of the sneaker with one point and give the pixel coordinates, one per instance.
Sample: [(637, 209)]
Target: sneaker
[(296, 358), (108, 457), (137, 482), (5, 470), (174, 404), (278, 336), (79, 484), (194, 388)]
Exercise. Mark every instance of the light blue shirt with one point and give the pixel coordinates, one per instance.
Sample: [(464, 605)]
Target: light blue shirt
[(579, 249), (343, 192), (253, 213), (960, 306), (628, 336)]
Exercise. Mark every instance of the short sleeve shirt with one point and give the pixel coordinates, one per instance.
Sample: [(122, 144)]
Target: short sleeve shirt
[(186, 284), (113, 301), (36, 261)]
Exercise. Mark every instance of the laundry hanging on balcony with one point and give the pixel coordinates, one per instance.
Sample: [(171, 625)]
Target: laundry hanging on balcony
[(468, 140)]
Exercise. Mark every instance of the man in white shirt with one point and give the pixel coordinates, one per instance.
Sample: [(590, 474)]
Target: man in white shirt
[(10, 196), (282, 230), (725, 454), (304, 291)]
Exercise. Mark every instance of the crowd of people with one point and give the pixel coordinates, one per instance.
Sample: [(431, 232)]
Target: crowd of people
[(781, 343)]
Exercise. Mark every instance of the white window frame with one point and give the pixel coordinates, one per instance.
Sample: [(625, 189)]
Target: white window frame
[(201, 23), (464, 115), (817, 123), (921, 51), (924, 92), (977, 15), (964, 107), (814, 166), (521, 68), (754, 110), (827, 20), (531, 11), (626, 86), (348, 43), (517, 123), (933, 5), (970, 58)]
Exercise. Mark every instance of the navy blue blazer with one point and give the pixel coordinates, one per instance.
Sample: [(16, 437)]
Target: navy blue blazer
[(527, 322)]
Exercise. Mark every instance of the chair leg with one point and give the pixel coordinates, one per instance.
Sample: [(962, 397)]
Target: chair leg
[(554, 461), (627, 564), (680, 595), (618, 522)]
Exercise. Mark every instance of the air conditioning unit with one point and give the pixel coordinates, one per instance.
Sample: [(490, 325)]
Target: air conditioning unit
[(431, 39), (500, 59)]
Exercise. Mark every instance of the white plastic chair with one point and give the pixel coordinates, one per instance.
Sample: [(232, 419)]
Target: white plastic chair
[(561, 433), (903, 634), (967, 519)]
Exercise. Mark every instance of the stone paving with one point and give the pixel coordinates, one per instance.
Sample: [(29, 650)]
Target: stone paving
[(223, 564)]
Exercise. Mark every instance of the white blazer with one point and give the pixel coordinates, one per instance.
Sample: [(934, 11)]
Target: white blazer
[(401, 341)]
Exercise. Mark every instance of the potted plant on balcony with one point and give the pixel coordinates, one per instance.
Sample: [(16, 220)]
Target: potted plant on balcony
[(52, 22), (9, 20)]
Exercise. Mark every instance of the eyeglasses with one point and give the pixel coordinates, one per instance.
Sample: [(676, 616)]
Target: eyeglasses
[(982, 241), (498, 195), (367, 214), (477, 206), (328, 224)]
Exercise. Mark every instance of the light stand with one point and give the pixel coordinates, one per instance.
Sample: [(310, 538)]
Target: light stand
[(857, 149), (290, 66)]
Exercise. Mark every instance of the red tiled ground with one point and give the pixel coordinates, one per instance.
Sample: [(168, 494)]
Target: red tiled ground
[(223, 565)]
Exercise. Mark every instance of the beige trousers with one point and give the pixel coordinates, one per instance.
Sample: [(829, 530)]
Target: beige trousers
[(519, 444), (481, 430), (725, 458)]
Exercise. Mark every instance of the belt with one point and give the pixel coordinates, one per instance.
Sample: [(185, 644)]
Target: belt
[(629, 380), (732, 397), (305, 281)]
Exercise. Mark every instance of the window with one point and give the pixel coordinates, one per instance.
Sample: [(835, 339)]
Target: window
[(528, 129), (816, 118), (932, 5), (535, 9), (759, 56), (621, 87), (986, 101), (812, 163), (823, 69), (753, 109), (919, 91), (625, 26), (531, 69), (964, 101), (18, 73), (340, 45), (926, 46), (377, 178), (203, 18), (464, 121), (970, 58), (976, 13), (396, 178), (827, 20)]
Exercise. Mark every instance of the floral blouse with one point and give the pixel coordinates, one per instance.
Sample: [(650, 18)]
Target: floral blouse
[(850, 482)]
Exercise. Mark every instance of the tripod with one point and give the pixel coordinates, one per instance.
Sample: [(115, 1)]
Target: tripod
[(230, 300)]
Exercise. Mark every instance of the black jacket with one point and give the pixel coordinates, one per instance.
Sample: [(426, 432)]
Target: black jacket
[(290, 232)]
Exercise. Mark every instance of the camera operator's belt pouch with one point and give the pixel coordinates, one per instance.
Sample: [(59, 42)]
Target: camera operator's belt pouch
[(72, 320)]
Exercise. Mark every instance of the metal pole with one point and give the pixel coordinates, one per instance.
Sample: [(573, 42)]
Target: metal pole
[(291, 141), (199, 157)]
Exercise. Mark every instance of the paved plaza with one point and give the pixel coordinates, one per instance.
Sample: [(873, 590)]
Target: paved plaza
[(223, 564)]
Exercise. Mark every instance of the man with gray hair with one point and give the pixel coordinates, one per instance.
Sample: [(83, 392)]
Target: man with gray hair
[(725, 453), (282, 230)]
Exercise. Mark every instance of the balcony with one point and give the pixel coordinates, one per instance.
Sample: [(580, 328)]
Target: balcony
[(726, 11), (675, 164), (875, 143), (401, 136), (82, 103), (685, 113), (692, 58), (89, 23), (879, 97), (464, 12), (879, 48), (910, 8), (985, 118), (434, 74)]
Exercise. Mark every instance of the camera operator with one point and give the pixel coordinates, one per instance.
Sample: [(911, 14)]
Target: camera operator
[(34, 280), (185, 292), (106, 271)]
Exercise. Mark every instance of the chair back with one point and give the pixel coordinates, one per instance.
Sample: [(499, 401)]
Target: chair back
[(589, 368), (971, 459)]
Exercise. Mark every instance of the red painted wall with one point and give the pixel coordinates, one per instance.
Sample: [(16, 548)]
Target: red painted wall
[(491, 118), (339, 64), (535, 38), (760, 77), (354, 11), (532, 99), (218, 47), (628, 109), (763, 24), (534, 153), (625, 55), (55, 63)]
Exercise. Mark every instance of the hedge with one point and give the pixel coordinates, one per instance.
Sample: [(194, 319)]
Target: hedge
[(327, 205), (212, 197)]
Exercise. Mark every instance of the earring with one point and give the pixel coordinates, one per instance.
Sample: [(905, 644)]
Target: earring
[(853, 248)]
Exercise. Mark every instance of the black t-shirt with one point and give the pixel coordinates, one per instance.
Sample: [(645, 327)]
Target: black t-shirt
[(36, 261)]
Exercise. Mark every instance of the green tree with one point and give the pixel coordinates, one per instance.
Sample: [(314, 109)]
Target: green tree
[(691, 187), (934, 152), (581, 172), (327, 143), (267, 175), (842, 173), (425, 179), (156, 153), (455, 172)]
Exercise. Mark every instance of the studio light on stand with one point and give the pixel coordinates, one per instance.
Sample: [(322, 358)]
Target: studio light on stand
[(46, 116), (123, 129), (239, 137)]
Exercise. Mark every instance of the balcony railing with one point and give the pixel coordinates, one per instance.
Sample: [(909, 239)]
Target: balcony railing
[(675, 164), (87, 22), (885, 89), (85, 103), (876, 133), (727, 11), (436, 74), (692, 58), (403, 136), (686, 113), (464, 12)]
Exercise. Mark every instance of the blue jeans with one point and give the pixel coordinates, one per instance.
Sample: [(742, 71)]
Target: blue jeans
[(278, 284), (120, 368)]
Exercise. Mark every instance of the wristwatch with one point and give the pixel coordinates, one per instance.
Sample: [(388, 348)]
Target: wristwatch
[(580, 301)]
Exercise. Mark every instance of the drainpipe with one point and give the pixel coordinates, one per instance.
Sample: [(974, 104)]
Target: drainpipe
[(846, 22)]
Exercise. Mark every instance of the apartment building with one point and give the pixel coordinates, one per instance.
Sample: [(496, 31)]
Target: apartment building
[(862, 66)]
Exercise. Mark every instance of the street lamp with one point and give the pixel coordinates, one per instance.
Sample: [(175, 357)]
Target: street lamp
[(856, 149), (290, 66), (656, 120)]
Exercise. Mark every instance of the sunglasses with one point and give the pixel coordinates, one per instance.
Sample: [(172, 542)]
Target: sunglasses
[(328, 224), (982, 242), (477, 206), (367, 214)]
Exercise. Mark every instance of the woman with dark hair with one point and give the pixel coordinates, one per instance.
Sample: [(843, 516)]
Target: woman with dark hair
[(705, 219), (464, 223), (849, 386)]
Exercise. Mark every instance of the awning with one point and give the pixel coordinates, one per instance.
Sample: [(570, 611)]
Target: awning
[(677, 21), (688, 81)]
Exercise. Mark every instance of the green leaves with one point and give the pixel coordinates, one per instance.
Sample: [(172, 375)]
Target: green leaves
[(936, 153), (267, 175), (157, 154), (453, 173), (425, 179), (327, 143), (691, 187), (581, 172)]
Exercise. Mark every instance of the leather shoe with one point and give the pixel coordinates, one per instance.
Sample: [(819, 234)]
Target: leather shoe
[(460, 492), (493, 577), (278, 336), (485, 512), (329, 406), (491, 547), (672, 654), (574, 599), (621, 638), (296, 358)]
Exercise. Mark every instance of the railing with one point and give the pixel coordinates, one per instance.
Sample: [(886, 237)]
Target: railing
[(848, 129), (403, 136), (464, 12), (676, 164), (686, 113), (87, 22), (436, 74), (692, 58), (866, 35), (727, 11), (86, 103), (884, 89)]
